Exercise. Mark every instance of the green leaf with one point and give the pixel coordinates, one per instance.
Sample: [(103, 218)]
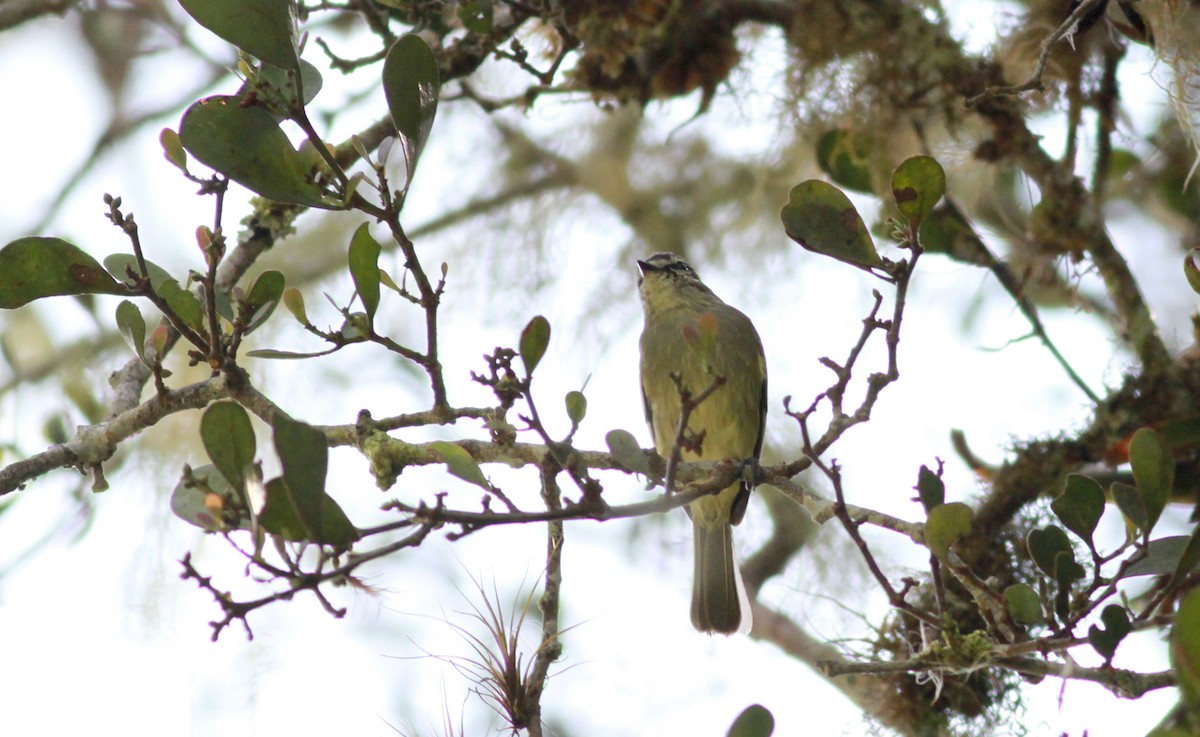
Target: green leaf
[(340, 532), (1116, 626), (845, 157), (364, 268), (946, 524), (460, 463), (917, 185), (281, 517), (822, 219), (183, 303), (1185, 651), (228, 439), (36, 267), (1191, 271), (1188, 560), (534, 339), (931, 490), (1080, 506), (265, 29), (1165, 556), (386, 280), (263, 298), (173, 149), (293, 300), (1181, 433), (132, 328), (625, 449), (411, 83), (274, 88), (476, 15), (355, 327), (208, 501), (1045, 545), (304, 454), (246, 144), (1023, 604), (1066, 570), (1130, 504), (947, 231), (754, 721), (576, 407), (158, 345), (287, 355), (120, 265), (1153, 472)]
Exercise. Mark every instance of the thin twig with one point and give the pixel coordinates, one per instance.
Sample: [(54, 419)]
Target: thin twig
[(1034, 83)]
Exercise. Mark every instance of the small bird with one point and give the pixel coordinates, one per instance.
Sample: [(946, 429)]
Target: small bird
[(678, 339)]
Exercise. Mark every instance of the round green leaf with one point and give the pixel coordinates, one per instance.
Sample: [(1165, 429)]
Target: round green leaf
[(1023, 604), (946, 524), (228, 439), (460, 463), (364, 268), (132, 327), (576, 406), (36, 267), (754, 721), (534, 339), (411, 83), (246, 144), (265, 29), (917, 185), (1080, 506), (625, 449), (1153, 472), (1045, 545), (822, 219), (845, 157)]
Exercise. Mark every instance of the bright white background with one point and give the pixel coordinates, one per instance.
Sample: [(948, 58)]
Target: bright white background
[(101, 635)]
